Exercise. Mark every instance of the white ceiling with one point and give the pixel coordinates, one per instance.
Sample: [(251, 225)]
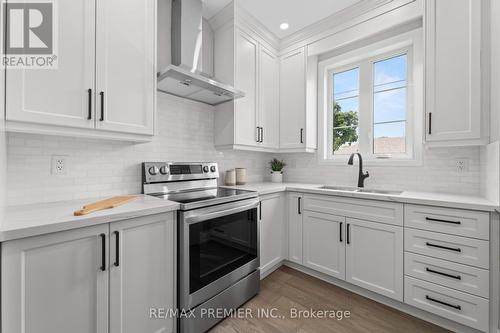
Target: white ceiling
[(271, 13)]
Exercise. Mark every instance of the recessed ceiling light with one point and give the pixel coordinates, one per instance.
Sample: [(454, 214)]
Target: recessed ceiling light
[(284, 26)]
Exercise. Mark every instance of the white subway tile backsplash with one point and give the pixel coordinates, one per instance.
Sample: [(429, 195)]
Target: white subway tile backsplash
[(185, 133)]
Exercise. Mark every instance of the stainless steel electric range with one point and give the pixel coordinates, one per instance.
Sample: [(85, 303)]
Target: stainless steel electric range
[(217, 238)]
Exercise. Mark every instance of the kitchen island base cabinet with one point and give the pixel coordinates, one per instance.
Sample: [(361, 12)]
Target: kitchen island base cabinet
[(75, 281), (272, 232)]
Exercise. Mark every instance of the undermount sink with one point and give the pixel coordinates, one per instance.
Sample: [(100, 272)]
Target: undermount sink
[(367, 190), (340, 188), (359, 190)]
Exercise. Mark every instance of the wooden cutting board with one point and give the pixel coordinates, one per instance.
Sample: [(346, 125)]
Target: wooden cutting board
[(105, 204)]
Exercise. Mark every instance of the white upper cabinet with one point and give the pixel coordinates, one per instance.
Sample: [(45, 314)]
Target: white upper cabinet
[(59, 96), (454, 113), (246, 53), (298, 101), (268, 112), (125, 65), (106, 52), (250, 122)]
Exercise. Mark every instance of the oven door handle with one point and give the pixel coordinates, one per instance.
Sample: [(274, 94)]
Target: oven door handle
[(200, 215)]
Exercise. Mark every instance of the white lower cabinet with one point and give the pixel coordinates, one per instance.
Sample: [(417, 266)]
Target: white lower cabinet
[(294, 207), (323, 243), (272, 232), (141, 274), (365, 253), (68, 281), (374, 257)]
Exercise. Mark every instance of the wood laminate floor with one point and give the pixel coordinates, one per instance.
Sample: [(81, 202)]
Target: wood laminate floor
[(287, 289)]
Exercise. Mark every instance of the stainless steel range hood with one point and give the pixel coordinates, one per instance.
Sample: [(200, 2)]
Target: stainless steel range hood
[(185, 76)]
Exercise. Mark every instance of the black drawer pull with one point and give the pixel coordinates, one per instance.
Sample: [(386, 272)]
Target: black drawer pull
[(458, 307), (103, 253), (117, 248), (102, 106), (301, 135), (89, 116), (298, 205), (456, 249), (348, 231), (457, 277), (443, 221), (430, 123), (340, 227)]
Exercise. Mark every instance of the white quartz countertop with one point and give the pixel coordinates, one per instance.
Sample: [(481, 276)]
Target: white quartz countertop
[(421, 198), (36, 219)]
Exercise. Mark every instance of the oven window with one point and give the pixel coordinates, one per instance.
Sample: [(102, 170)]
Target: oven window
[(221, 245)]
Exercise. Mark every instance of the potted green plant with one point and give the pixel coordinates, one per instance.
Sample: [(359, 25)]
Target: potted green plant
[(277, 170)]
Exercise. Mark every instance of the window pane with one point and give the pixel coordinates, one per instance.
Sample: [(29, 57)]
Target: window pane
[(345, 111), (389, 105), (390, 70), (389, 138)]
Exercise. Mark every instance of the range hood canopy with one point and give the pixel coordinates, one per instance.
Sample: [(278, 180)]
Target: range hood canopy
[(185, 77)]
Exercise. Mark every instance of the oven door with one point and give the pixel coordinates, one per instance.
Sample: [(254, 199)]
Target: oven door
[(218, 246)]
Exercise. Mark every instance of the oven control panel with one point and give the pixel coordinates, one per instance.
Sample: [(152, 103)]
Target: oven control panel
[(153, 172)]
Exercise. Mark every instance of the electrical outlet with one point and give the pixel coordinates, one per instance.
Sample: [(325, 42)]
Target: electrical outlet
[(462, 164), (59, 165)]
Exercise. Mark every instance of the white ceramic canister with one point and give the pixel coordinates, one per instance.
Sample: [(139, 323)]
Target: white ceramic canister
[(241, 176), (230, 178)]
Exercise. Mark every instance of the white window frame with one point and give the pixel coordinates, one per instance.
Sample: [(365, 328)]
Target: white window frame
[(409, 43)]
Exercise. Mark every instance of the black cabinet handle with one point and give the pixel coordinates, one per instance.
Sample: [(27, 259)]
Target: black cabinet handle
[(458, 307), (457, 277), (103, 255), (102, 106), (117, 248), (340, 227), (430, 123), (298, 205), (348, 230), (456, 249), (301, 135), (258, 134), (262, 134), (443, 221), (260, 210), (89, 116)]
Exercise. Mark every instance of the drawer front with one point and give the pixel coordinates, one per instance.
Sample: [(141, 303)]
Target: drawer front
[(462, 250), (463, 308), (372, 210), (449, 274), (450, 221)]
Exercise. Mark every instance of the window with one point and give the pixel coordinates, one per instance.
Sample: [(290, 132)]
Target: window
[(369, 103)]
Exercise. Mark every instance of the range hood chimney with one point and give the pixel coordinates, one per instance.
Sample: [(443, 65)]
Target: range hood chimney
[(185, 77)]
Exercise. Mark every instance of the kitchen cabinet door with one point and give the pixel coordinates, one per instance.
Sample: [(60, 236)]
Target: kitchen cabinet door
[(246, 52), (272, 232), (324, 243), (125, 66), (453, 87), (374, 257), (59, 96), (292, 99), (55, 283), (295, 204), (141, 273), (268, 115)]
